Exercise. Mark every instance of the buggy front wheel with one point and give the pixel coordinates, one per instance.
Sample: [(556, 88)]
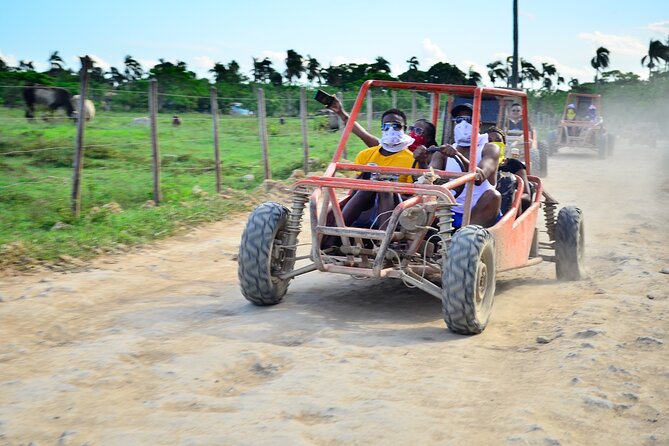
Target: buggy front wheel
[(468, 280), (262, 256)]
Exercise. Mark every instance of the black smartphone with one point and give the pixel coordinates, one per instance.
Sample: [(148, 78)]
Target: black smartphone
[(324, 98)]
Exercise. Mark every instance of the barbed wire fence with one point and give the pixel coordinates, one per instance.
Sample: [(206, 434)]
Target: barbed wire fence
[(291, 127)]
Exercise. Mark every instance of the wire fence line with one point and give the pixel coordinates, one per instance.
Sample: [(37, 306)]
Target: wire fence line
[(282, 132)]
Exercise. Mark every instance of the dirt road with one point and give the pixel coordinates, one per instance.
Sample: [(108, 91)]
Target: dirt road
[(159, 346)]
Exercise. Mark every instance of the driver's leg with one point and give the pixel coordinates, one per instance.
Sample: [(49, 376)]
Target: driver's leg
[(486, 211)]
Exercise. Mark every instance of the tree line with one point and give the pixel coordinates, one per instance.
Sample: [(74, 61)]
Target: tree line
[(231, 82)]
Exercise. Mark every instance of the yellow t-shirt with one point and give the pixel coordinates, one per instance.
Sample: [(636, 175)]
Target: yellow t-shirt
[(403, 158)]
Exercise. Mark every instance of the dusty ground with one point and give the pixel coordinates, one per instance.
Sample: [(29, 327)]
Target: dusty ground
[(159, 346)]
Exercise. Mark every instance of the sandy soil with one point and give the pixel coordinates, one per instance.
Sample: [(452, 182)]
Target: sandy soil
[(159, 346)]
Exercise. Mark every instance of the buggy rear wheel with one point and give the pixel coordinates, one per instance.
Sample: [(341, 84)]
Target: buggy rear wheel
[(468, 280), (569, 244), (262, 255)]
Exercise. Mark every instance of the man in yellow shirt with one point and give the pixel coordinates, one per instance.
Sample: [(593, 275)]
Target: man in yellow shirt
[(392, 151)]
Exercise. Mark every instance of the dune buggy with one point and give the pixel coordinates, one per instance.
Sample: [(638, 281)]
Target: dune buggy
[(420, 245), (582, 126)]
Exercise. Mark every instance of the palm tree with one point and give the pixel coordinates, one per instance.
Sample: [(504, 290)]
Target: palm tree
[(656, 51), (263, 70), (380, 65), (26, 65), (528, 72), (313, 70), (116, 77), (413, 63), (497, 71), (600, 61), (294, 65), (473, 77), (55, 62), (133, 69), (547, 72)]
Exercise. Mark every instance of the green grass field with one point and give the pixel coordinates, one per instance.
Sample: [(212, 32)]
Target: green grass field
[(36, 178)]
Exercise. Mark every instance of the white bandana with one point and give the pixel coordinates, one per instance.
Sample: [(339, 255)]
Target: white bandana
[(395, 140)]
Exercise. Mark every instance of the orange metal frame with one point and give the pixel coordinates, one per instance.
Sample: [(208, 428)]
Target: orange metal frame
[(513, 234)]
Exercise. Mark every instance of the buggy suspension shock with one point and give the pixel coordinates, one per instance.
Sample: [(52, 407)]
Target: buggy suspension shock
[(549, 216), (294, 222), (444, 217)]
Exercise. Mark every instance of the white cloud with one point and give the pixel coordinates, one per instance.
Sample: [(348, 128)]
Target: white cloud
[(146, 64), (566, 71), (9, 59), (659, 27), (277, 57), (480, 69), (435, 53), (616, 44), (204, 62), (501, 57), (202, 65), (100, 62)]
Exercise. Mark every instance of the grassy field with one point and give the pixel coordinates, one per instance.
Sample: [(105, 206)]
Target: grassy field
[(36, 179)]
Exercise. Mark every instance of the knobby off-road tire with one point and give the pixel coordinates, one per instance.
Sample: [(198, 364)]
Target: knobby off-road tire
[(468, 280), (261, 257), (569, 244)]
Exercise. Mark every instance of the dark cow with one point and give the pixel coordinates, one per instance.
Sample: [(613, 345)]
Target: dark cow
[(51, 97)]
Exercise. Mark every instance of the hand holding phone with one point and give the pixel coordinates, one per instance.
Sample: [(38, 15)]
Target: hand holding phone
[(324, 98)]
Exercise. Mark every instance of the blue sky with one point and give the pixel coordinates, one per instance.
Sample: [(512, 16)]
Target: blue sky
[(465, 33)]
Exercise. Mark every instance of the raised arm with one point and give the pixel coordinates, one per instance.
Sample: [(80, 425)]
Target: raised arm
[(358, 130)]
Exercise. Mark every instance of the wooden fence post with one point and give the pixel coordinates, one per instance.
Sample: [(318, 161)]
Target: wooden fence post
[(413, 106), (155, 149), (79, 143), (217, 151), (370, 111), (303, 120), (262, 130)]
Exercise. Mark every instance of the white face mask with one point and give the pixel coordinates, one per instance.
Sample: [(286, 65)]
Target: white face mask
[(395, 140), (462, 132)]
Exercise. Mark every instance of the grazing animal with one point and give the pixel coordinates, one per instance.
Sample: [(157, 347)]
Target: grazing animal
[(141, 121), (89, 107), (52, 98), (176, 121)]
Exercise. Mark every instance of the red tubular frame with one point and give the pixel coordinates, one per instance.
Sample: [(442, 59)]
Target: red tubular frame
[(513, 234)]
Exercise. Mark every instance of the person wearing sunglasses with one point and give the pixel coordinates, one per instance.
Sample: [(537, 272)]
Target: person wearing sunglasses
[(369, 208), (423, 132), (486, 200)]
